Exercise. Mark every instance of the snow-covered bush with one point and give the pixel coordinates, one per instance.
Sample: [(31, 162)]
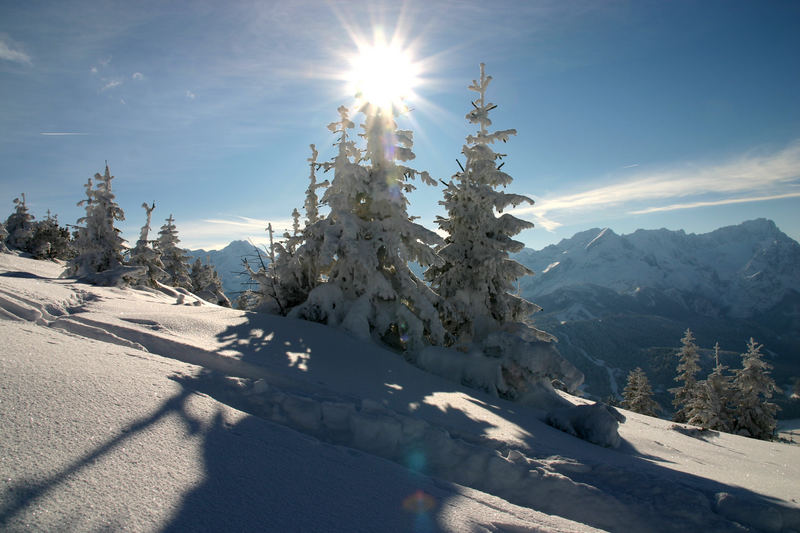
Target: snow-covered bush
[(687, 371), (639, 395), (175, 262)]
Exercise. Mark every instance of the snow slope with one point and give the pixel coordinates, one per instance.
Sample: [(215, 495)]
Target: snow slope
[(128, 409)]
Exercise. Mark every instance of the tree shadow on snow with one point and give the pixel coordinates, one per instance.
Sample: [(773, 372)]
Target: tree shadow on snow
[(27, 493)]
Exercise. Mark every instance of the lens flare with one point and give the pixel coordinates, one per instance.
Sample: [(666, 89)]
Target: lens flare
[(420, 502)]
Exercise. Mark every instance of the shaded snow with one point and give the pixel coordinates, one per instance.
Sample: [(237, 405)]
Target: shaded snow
[(113, 399)]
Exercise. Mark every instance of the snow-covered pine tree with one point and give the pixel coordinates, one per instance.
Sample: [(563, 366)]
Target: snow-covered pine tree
[(477, 277), (3, 236), (639, 395), (712, 406), (207, 284), (19, 226), (687, 369), (312, 200), (754, 414), (49, 240), (98, 244), (368, 240), (268, 297), (176, 263), (294, 268), (146, 255)]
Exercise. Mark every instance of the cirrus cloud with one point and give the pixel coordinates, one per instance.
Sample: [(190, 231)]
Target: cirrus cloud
[(747, 178)]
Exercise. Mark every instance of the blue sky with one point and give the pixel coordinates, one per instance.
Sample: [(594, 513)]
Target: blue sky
[(643, 114)]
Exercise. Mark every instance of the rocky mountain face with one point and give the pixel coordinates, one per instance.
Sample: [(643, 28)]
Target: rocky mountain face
[(621, 301)]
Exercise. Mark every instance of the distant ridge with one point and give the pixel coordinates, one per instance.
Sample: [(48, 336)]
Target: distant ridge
[(620, 301)]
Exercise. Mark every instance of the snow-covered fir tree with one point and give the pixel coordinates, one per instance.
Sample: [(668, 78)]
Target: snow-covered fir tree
[(207, 284), (638, 394), (146, 255), (478, 276), (312, 199), (98, 244), (368, 240), (176, 263), (712, 405), (754, 414), (3, 236), (294, 269), (687, 369), (19, 226), (49, 240)]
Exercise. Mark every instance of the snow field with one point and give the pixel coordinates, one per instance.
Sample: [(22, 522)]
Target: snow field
[(344, 392)]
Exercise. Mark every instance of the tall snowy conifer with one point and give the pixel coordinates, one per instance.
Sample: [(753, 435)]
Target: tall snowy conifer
[(477, 276), (368, 240), (3, 236), (99, 246), (19, 226), (712, 406), (312, 200), (687, 370), (754, 413), (175, 262), (639, 395), (144, 254), (207, 284)]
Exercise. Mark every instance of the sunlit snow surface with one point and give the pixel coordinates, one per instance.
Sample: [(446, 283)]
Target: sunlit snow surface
[(125, 409)]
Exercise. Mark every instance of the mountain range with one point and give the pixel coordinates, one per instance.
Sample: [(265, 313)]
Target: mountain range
[(621, 301), (616, 302)]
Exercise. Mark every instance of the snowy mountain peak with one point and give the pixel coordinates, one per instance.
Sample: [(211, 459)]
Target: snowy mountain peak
[(599, 236), (738, 270)]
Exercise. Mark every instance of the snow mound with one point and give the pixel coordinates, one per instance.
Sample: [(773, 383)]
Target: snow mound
[(597, 423)]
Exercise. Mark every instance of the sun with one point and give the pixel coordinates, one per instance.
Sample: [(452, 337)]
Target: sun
[(383, 74)]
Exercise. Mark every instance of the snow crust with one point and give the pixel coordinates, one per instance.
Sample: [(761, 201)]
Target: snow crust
[(113, 399)]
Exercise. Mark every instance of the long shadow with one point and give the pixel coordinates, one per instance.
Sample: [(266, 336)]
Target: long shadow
[(24, 494), (22, 275), (623, 472), (264, 477)]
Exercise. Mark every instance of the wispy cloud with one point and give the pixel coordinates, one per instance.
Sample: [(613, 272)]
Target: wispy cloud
[(216, 233), (726, 201), (110, 85), (137, 76), (745, 178), (190, 95), (9, 51), (60, 133)]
